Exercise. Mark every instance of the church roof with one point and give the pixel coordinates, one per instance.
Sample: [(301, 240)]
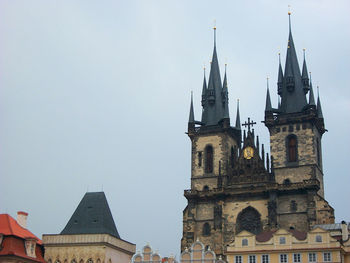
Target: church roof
[(92, 216)]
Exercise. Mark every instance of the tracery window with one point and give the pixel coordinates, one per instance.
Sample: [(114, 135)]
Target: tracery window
[(249, 219), (209, 159), (292, 150)]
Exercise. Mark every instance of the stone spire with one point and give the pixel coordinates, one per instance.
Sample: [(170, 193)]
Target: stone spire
[(292, 93), (204, 100), (268, 106), (238, 118)]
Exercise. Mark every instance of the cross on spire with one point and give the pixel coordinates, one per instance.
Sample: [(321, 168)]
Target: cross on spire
[(249, 123)]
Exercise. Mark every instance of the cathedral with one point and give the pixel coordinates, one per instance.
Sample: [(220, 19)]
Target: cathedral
[(235, 184)]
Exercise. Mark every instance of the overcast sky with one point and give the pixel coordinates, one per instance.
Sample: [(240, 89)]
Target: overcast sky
[(95, 95)]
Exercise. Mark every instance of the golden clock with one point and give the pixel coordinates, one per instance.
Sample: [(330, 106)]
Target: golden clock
[(248, 152)]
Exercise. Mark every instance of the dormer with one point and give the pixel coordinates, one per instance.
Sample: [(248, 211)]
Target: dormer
[(30, 246)]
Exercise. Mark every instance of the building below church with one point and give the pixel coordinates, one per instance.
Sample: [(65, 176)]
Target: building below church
[(17, 243), (90, 236)]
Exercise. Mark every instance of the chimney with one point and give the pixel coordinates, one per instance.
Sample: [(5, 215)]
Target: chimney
[(22, 218), (344, 231)]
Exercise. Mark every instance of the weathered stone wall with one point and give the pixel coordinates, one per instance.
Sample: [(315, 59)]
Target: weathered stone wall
[(307, 137)]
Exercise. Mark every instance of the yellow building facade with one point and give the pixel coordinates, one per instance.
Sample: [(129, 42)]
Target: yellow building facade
[(282, 246)]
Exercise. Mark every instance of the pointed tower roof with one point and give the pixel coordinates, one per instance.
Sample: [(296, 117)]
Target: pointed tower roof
[(225, 96), (204, 99), (238, 118), (191, 117), (319, 108), (311, 95), (293, 96), (214, 103), (304, 74), (268, 106), (92, 216)]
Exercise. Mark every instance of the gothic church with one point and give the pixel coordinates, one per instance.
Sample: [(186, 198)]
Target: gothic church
[(235, 185)]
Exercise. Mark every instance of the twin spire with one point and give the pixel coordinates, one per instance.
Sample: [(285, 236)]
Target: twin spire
[(214, 96), (293, 85)]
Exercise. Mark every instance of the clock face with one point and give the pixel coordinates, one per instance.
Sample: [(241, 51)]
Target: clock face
[(248, 152)]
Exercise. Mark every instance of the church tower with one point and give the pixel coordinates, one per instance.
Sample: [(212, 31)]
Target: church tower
[(296, 126), (235, 185)]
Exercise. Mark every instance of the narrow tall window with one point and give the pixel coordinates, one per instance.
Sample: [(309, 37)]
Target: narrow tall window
[(292, 148), (232, 158), (206, 229), (252, 259), (199, 159), (209, 159), (312, 257), (265, 259), (283, 258), (327, 257)]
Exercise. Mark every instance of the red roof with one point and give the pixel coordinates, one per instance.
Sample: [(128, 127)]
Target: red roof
[(10, 227), (14, 238)]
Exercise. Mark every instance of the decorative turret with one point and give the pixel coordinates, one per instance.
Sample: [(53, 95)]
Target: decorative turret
[(238, 118), (304, 76), (225, 97), (319, 108), (311, 95), (280, 77), (268, 107), (191, 116)]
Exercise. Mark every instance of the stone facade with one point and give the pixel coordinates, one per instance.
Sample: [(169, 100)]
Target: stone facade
[(91, 248)]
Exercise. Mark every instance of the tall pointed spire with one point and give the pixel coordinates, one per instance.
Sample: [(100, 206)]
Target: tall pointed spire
[(311, 95), (268, 106), (238, 118), (319, 108), (293, 95), (304, 76), (214, 107), (225, 96), (204, 99), (191, 116)]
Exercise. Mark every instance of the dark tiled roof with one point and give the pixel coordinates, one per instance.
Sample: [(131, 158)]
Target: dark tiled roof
[(92, 216), (298, 234)]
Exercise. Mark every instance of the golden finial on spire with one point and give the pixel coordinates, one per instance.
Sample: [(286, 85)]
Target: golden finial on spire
[(214, 27), (289, 12)]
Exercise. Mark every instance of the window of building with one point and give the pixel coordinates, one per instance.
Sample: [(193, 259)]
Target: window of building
[(318, 238), (90, 260), (327, 257), (238, 259), (232, 158), (206, 229), (296, 258), (245, 242), (209, 159), (282, 240), (292, 150), (265, 259), (312, 257), (293, 206), (283, 258), (73, 261), (205, 188), (200, 159), (251, 259)]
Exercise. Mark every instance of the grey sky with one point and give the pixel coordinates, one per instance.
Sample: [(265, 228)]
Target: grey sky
[(96, 94)]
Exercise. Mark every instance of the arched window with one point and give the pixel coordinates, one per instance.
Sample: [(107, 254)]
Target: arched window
[(209, 159), (249, 219), (286, 181), (293, 206), (206, 229), (205, 188), (292, 149)]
